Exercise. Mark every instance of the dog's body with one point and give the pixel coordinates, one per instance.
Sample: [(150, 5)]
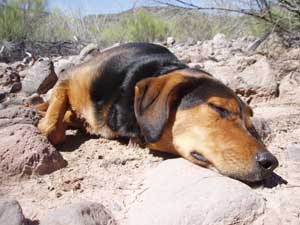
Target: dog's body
[(143, 91)]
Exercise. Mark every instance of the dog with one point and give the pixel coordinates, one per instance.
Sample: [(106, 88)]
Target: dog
[(141, 91)]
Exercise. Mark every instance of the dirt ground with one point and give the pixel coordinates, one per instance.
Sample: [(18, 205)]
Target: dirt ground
[(110, 172), (284, 121), (98, 170)]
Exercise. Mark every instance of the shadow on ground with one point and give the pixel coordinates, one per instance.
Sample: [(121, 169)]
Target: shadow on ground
[(73, 141)]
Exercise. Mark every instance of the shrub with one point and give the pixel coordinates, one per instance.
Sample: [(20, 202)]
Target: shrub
[(18, 18), (139, 26), (53, 27)]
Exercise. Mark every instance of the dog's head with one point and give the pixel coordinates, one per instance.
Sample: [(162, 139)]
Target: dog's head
[(190, 113)]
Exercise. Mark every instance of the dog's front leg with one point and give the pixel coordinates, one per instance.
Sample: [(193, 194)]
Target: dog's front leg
[(52, 125)]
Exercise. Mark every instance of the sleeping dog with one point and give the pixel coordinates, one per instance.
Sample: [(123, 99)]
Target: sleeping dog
[(142, 92)]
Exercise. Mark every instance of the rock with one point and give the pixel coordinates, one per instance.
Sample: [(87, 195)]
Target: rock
[(13, 100), (23, 73), (198, 66), (16, 87), (3, 66), (272, 41), (24, 151), (242, 44), (39, 78), (293, 152), (258, 78), (248, 76), (18, 66), (63, 64), (219, 41), (262, 129), (179, 192), (14, 76), (190, 41), (11, 213), (87, 50), (269, 217), (292, 54), (185, 59), (18, 115), (12, 51), (84, 213), (171, 41), (289, 86), (34, 99), (207, 49), (197, 57), (8, 77)]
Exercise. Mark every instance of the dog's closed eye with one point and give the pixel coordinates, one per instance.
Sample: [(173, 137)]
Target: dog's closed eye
[(222, 111), (199, 157)]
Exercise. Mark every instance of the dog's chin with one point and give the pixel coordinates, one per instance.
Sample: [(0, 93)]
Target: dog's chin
[(251, 178)]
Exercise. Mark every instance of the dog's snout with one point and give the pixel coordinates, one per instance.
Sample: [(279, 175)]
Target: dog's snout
[(266, 160)]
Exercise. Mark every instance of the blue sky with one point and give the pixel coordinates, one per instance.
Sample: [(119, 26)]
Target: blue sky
[(87, 7)]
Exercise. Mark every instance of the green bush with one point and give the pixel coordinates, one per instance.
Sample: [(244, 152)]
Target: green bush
[(257, 28), (11, 22), (18, 18), (139, 26), (54, 27), (285, 19)]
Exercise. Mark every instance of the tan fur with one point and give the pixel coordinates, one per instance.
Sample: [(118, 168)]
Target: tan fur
[(70, 105), (52, 125), (226, 143)]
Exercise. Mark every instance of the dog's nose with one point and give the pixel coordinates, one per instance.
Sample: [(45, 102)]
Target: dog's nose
[(266, 160)]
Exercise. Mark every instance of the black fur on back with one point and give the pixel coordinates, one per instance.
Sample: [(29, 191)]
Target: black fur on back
[(122, 68)]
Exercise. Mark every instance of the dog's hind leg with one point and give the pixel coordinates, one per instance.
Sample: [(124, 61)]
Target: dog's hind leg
[(52, 125)]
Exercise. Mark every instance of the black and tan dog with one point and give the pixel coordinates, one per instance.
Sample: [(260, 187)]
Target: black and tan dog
[(143, 91)]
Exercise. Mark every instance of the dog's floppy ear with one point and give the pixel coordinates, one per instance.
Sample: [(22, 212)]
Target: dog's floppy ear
[(153, 101)]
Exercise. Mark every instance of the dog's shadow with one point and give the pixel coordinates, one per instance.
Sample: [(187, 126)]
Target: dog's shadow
[(74, 141), (163, 155), (273, 181)]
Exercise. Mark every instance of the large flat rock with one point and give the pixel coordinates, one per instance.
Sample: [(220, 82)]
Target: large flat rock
[(178, 192), (39, 78)]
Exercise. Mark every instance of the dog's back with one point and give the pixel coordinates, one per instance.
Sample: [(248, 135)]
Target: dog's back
[(122, 67), (119, 71), (101, 91)]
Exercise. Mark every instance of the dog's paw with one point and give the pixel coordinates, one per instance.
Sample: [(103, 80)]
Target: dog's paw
[(54, 133), (45, 127)]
